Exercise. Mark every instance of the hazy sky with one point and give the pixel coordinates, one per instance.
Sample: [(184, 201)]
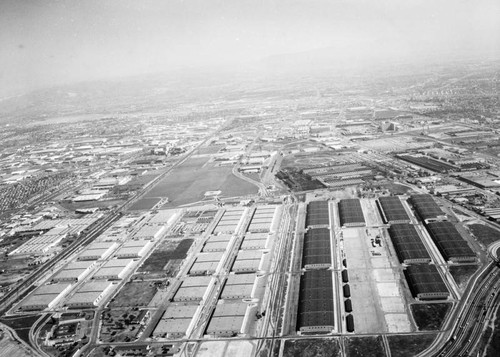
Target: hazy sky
[(45, 42)]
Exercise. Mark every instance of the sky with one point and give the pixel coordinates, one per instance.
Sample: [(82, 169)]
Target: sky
[(48, 42)]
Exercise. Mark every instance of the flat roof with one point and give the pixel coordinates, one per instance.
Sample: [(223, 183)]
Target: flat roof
[(163, 216), (180, 311), (140, 243), (84, 297), (219, 238), (117, 263), (108, 272), (237, 291), (209, 267), (249, 255), (225, 324), (196, 281), (175, 326), (51, 289), (240, 279), (78, 265), (190, 293), (41, 301), (246, 265), (230, 309), (213, 246), (209, 257), (69, 274), (98, 286), (253, 244)]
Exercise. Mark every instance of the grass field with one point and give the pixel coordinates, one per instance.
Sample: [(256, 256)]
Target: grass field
[(365, 346), (462, 273), (312, 348), (133, 294), (429, 317), (145, 204), (189, 182), (484, 234), (207, 150), (409, 345)]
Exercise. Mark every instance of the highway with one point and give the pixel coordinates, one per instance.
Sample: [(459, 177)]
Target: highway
[(464, 327)]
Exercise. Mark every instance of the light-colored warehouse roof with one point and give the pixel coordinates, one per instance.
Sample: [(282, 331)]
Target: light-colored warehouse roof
[(84, 298), (117, 263), (180, 311), (254, 244), (190, 293), (40, 301), (246, 265), (201, 267), (148, 231), (109, 273), (69, 274), (95, 286), (215, 246), (51, 289), (196, 281), (237, 291), (256, 235), (163, 216), (172, 326), (240, 279), (230, 309), (249, 255), (209, 257), (101, 245), (226, 324), (78, 265), (139, 243), (219, 238)]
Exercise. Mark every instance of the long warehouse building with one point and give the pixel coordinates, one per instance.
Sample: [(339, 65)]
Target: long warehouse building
[(409, 247), (392, 210), (351, 213), (316, 312), (316, 253), (426, 283), (426, 208), (450, 243)]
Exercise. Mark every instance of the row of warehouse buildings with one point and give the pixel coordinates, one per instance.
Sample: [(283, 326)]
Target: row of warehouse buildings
[(246, 257), (96, 271), (315, 308)]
